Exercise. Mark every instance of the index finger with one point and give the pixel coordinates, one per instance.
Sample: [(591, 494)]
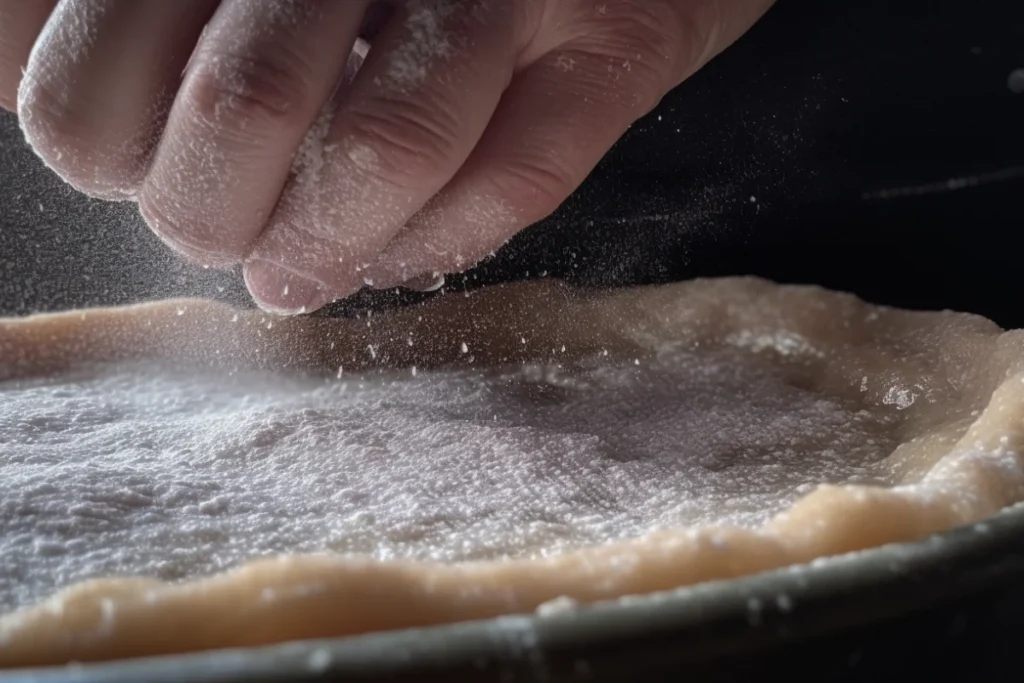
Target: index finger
[(411, 118)]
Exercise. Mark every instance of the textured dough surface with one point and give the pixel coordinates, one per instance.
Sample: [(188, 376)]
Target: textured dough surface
[(151, 471), (548, 443)]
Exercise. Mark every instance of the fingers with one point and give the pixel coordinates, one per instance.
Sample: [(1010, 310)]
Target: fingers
[(555, 122), (549, 131), (423, 164), (411, 118), (99, 83), (260, 74), (20, 23)]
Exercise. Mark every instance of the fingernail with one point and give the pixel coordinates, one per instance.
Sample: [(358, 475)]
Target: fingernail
[(382, 278), (430, 282), (280, 291)]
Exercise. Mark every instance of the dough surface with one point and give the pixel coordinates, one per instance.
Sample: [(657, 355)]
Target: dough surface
[(275, 479)]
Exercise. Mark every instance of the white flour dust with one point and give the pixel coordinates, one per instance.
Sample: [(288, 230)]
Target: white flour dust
[(426, 41), (157, 472), (309, 157)]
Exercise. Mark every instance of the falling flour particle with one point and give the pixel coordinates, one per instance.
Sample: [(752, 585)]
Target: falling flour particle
[(1015, 81), (319, 660), (754, 607), (560, 605)]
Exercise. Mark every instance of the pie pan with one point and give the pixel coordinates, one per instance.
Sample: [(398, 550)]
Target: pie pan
[(862, 615)]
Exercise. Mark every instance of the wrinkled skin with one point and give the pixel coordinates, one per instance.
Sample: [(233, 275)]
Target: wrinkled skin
[(467, 121)]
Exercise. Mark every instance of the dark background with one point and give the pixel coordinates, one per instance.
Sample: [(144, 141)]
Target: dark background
[(843, 120)]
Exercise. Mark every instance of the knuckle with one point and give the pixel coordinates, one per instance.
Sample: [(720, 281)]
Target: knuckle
[(534, 184), (266, 90), (652, 42), (697, 30), (652, 27), (403, 143)]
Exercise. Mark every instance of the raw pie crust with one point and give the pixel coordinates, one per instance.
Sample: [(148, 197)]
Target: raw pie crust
[(950, 387)]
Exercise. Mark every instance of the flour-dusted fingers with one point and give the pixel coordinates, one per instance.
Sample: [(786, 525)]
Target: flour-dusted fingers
[(20, 24), (98, 85), (421, 101), (260, 74), (612, 63)]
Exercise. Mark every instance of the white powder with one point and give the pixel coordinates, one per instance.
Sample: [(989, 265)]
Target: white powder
[(900, 396), (783, 342), (158, 472), (309, 157), (425, 42)]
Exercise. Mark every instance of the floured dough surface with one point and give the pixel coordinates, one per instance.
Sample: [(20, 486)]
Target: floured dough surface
[(472, 457), (149, 471)]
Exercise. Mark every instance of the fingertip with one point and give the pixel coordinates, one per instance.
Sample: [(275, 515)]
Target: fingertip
[(282, 292), (165, 230)]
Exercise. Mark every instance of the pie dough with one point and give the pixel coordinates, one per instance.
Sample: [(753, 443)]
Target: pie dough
[(475, 456)]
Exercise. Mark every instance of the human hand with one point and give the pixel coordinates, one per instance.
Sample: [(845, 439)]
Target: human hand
[(254, 141)]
